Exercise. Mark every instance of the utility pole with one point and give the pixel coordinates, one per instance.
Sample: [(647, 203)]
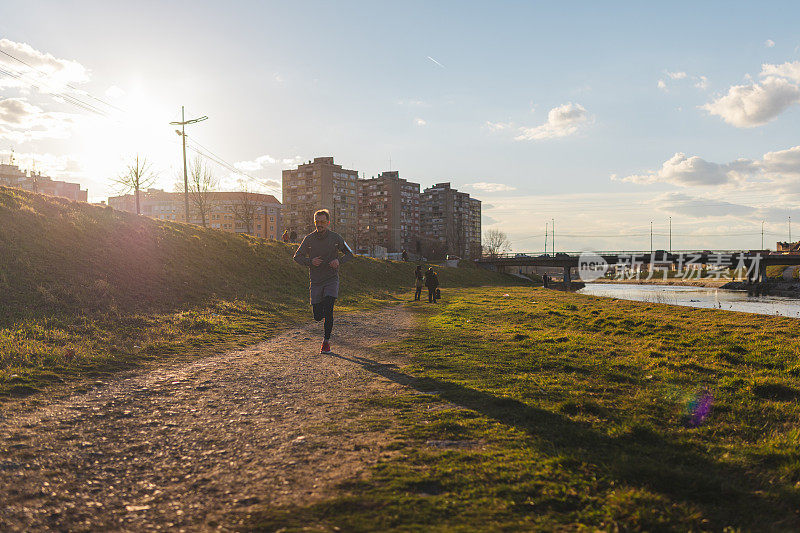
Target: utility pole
[(762, 234), (183, 122), (670, 235), (545, 237), (651, 237), (790, 229), (553, 229)]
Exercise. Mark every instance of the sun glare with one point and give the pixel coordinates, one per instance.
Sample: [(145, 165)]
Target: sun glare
[(140, 128)]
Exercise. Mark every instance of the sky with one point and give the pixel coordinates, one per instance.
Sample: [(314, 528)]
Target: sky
[(603, 119)]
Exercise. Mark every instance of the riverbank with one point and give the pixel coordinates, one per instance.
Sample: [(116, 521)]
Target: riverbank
[(707, 282), (788, 289)]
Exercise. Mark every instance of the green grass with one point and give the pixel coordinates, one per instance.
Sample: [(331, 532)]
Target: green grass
[(86, 290), (776, 272), (543, 410)]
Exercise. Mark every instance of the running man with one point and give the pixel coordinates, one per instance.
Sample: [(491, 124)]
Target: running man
[(319, 251)]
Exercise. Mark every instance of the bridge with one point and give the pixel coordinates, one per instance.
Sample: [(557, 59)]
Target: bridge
[(753, 262)]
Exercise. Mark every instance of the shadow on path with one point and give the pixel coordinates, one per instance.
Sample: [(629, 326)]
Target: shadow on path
[(727, 495)]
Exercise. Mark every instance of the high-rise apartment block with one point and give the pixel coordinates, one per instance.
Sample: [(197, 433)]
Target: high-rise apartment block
[(388, 213), (452, 219), (12, 176), (252, 213), (321, 184)]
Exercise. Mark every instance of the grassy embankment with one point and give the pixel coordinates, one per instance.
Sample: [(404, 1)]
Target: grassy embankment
[(543, 410), (86, 290)]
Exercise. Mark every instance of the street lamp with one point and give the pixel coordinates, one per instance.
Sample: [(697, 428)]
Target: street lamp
[(182, 132)]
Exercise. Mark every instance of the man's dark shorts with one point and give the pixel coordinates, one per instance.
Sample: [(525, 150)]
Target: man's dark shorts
[(326, 288)]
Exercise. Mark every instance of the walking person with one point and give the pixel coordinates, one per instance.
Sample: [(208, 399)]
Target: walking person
[(319, 251), (285, 236), (419, 282), (432, 282)]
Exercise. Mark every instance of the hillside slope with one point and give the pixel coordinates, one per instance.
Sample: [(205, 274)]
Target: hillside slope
[(58, 256), (83, 286)]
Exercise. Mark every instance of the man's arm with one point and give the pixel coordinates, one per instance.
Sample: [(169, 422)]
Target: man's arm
[(301, 255), (346, 251)]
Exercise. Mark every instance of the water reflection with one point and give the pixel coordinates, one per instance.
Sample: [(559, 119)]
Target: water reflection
[(703, 297)]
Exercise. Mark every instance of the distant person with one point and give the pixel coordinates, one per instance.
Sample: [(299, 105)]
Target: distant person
[(285, 236), (404, 255), (545, 279), (432, 282), (293, 236), (419, 282), (319, 251)]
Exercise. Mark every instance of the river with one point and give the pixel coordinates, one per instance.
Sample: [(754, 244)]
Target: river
[(703, 297)]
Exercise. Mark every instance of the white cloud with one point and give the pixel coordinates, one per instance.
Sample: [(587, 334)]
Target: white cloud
[(747, 106), (279, 77), (786, 70), (486, 220), (265, 161), (737, 214), (700, 207), (562, 121), (777, 171), (256, 164), (413, 103), (685, 171), (701, 83), (49, 73), (499, 126), (491, 187), (769, 43), (420, 122), (782, 161), (237, 182), (21, 121)]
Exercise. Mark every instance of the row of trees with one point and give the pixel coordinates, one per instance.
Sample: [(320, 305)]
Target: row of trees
[(139, 175)]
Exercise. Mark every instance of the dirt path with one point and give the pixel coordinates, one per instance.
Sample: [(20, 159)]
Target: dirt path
[(192, 447)]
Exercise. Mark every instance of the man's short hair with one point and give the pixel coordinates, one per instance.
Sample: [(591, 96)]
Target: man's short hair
[(323, 212)]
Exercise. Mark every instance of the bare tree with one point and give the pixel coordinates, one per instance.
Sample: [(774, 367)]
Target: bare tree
[(245, 207), (495, 242), (138, 175), (202, 184)]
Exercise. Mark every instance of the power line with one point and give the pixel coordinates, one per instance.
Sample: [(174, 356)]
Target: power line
[(87, 93), (208, 154), (66, 97)]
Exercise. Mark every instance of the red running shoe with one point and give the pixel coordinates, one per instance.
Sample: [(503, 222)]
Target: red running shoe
[(326, 347)]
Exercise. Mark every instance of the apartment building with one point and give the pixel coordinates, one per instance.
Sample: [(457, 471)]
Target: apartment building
[(321, 184), (452, 219), (12, 176), (227, 211), (388, 213)]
